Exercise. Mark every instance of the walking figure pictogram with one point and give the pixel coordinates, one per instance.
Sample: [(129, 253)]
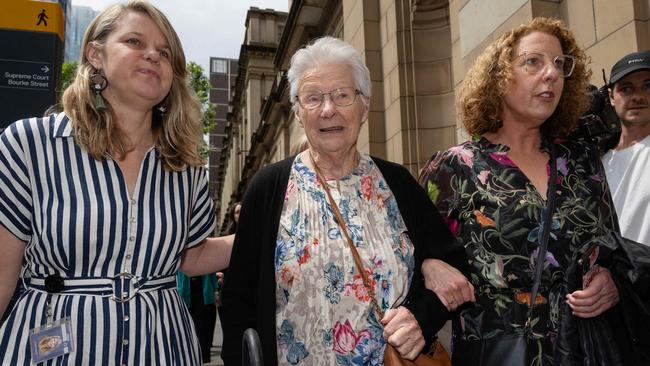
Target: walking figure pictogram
[(42, 18)]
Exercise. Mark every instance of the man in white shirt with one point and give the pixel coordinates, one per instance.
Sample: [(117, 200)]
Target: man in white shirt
[(627, 166)]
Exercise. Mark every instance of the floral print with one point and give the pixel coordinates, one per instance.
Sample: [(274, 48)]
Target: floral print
[(324, 312), (296, 351), (497, 214), (359, 348), (345, 338)]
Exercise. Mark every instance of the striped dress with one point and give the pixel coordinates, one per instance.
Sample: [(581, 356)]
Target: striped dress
[(79, 222)]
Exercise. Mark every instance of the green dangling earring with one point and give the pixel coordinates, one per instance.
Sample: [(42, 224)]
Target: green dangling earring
[(98, 83)]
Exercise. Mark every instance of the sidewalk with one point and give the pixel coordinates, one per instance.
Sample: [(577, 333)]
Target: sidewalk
[(216, 345)]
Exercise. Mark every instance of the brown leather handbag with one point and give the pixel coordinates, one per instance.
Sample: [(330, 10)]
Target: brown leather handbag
[(437, 355)]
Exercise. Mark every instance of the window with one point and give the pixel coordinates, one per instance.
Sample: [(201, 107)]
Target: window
[(219, 96), (219, 81), (221, 111), (219, 66)]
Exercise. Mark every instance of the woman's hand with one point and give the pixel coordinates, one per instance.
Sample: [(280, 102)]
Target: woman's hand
[(401, 330), (452, 288), (599, 295), (217, 296), (220, 279)]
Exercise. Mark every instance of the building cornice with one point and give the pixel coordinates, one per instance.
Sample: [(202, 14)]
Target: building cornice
[(305, 21)]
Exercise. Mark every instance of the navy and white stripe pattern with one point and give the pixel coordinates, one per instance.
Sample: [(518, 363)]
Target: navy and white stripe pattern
[(80, 222)]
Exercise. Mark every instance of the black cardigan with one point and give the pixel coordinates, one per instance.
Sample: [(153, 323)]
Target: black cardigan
[(248, 297)]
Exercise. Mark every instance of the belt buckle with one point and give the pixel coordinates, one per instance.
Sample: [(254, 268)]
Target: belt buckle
[(125, 296)]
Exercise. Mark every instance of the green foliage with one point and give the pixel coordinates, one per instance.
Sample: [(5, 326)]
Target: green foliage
[(433, 192), (68, 72), (201, 86)]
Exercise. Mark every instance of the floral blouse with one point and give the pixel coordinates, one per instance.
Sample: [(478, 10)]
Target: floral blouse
[(497, 214), (324, 313)]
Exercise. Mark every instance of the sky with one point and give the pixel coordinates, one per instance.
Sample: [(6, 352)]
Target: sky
[(206, 27)]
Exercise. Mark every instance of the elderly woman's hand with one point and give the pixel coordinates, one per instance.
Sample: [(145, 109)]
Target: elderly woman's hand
[(452, 288), (599, 295), (402, 331), (220, 279)]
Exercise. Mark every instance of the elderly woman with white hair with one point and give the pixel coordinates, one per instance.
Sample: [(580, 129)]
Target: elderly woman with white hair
[(294, 275)]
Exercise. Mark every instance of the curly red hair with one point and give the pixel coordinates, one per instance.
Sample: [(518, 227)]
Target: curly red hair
[(489, 79)]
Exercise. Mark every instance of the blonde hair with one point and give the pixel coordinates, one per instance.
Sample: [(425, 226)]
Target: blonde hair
[(45, 344), (489, 79), (178, 133)]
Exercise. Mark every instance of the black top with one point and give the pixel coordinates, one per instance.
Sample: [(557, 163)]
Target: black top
[(249, 287)]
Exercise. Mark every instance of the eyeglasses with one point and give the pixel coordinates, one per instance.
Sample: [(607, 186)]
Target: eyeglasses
[(341, 97), (534, 63)]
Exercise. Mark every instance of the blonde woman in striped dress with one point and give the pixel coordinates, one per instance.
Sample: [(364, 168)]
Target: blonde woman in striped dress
[(104, 202)]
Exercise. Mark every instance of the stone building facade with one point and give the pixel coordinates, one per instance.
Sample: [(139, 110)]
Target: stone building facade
[(418, 52), (254, 79)]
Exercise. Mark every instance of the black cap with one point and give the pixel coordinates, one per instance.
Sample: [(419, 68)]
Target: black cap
[(633, 62)]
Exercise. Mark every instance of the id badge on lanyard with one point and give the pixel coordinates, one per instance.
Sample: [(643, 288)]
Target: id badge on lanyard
[(51, 340)]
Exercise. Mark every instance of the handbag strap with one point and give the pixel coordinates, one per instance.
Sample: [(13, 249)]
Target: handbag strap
[(548, 218), (344, 230)]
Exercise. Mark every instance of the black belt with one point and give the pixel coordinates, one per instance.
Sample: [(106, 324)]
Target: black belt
[(120, 288)]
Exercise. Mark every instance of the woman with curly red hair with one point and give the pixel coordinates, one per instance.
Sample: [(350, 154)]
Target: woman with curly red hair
[(521, 97)]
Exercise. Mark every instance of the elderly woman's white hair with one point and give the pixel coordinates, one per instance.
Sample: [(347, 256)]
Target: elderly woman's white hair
[(328, 51)]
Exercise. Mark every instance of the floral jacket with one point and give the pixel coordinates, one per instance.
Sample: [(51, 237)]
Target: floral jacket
[(497, 214)]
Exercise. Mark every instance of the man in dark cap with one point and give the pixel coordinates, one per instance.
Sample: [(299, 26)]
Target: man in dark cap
[(628, 164)]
